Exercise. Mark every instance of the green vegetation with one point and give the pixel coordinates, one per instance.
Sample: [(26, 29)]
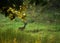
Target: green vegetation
[(33, 33), (29, 21)]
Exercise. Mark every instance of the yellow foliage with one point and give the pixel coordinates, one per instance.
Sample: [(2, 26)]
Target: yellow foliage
[(51, 39), (38, 41), (14, 41), (18, 13)]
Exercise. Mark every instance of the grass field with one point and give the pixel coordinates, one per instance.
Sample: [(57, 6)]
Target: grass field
[(34, 32)]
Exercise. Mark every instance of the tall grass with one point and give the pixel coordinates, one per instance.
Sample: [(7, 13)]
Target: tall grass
[(9, 32)]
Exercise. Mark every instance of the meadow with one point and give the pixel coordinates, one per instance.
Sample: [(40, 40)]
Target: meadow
[(33, 33)]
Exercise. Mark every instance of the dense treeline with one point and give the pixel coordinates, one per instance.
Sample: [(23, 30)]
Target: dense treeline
[(16, 4)]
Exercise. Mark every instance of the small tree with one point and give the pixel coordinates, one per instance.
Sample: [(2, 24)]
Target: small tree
[(14, 8)]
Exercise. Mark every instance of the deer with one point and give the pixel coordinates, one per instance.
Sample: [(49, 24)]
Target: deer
[(22, 28)]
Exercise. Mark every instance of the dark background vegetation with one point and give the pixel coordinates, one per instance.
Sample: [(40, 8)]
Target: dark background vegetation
[(38, 10)]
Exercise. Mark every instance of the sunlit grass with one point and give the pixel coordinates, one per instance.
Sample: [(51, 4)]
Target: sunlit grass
[(9, 32)]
